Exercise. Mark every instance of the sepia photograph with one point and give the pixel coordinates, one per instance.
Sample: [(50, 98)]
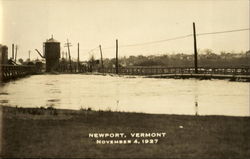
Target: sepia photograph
[(125, 79)]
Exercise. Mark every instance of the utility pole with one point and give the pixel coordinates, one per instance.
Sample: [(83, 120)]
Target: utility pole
[(116, 59), (62, 54), (16, 54), (195, 50), (29, 54), (68, 45), (13, 51), (78, 57), (101, 58)]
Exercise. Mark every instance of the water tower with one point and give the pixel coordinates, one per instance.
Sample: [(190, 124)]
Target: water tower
[(52, 54)]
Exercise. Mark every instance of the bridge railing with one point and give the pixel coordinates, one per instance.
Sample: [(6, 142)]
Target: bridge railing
[(177, 70), (72, 69), (8, 72)]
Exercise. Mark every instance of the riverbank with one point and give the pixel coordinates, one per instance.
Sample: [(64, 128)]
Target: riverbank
[(49, 132)]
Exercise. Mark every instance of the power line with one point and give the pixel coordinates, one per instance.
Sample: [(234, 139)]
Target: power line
[(220, 32), (175, 38), (151, 42), (92, 49), (159, 41)]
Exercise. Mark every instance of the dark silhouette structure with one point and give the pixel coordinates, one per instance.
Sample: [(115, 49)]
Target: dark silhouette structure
[(52, 54), (3, 54)]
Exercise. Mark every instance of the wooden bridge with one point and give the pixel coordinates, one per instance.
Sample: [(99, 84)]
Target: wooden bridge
[(177, 70), (240, 74), (8, 72)]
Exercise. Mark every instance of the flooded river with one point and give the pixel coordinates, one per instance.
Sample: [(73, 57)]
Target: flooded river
[(164, 96)]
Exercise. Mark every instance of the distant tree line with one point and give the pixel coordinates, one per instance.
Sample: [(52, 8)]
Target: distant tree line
[(205, 59)]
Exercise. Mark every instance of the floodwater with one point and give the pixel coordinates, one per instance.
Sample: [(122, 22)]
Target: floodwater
[(130, 94)]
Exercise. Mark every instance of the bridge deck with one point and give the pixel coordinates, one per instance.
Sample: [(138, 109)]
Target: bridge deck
[(8, 72), (202, 76)]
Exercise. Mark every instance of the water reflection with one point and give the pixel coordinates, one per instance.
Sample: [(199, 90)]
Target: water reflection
[(196, 93), (53, 100), (165, 96), (3, 101), (3, 93), (196, 108), (54, 91)]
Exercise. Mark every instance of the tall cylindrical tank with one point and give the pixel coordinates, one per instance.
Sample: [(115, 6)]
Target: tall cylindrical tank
[(3, 54), (52, 54)]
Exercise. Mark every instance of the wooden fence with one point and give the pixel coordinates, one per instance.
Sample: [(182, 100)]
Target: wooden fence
[(74, 68), (156, 70), (177, 70)]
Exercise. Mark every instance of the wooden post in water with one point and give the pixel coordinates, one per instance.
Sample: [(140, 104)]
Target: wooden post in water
[(116, 58), (195, 50), (78, 58), (101, 58)]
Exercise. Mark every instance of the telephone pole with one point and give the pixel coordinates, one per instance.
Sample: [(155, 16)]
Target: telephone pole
[(68, 45), (29, 54), (13, 51), (62, 54), (101, 57), (116, 59), (78, 57), (195, 50), (16, 53)]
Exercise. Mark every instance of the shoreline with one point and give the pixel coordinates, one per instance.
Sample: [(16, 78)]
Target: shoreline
[(45, 109), (231, 78)]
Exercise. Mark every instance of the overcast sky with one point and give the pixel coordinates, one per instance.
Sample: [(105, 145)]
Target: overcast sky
[(28, 23)]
